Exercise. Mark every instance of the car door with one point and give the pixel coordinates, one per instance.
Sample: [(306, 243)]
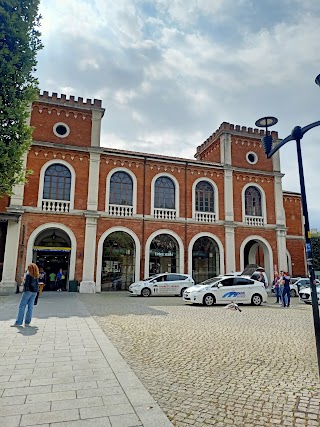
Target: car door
[(158, 285), (174, 284), (225, 292), (244, 288)]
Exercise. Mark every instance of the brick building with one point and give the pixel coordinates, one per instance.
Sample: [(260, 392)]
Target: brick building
[(109, 216)]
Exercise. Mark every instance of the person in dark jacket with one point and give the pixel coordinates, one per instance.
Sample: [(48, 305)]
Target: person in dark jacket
[(285, 280), (28, 295)]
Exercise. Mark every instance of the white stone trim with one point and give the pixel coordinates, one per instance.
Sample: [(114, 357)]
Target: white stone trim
[(100, 249), (177, 191), (41, 180), (96, 128), (216, 239), (216, 196), (267, 253), (263, 201), (54, 128), (147, 249), (93, 182), (18, 190), (134, 188), (228, 196), (289, 258), (255, 155), (59, 226)]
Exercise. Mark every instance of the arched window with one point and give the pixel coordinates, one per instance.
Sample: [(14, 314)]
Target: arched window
[(164, 193), (121, 189), (204, 197), (253, 205), (57, 183)]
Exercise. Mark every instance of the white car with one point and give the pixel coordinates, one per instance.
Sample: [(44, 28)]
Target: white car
[(297, 284), (226, 289), (305, 294), (162, 284)]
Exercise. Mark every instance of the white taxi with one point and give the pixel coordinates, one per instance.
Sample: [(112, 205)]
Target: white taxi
[(162, 284), (226, 289), (305, 294)]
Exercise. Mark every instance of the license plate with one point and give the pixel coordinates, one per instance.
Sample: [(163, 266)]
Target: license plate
[(304, 296)]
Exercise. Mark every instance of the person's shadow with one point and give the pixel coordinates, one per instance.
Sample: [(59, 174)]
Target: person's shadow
[(31, 330)]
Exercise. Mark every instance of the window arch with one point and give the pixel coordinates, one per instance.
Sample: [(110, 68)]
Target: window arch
[(121, 189), (57, 183), (164, 193), (204, 196), (253, 202)]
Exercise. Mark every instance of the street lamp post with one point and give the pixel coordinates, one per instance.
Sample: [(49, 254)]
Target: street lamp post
[(296, 135)]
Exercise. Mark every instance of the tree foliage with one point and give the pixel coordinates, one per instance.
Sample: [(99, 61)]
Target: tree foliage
[(19, 44), (315, 243)]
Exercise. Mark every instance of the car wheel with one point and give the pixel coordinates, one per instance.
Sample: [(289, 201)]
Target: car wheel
[(256, 299), (293, 293), (209, 300), (182, 290), (145, 292)]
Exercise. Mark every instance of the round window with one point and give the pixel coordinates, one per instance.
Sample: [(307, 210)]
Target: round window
[(61, 130), (252, 158)]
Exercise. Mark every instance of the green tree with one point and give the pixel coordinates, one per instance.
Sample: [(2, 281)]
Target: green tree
[(315, 243), (19, 44)]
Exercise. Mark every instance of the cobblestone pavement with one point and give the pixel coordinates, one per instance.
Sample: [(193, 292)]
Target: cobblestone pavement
[(207, 366)]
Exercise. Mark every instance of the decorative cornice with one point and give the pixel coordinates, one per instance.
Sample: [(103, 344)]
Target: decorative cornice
[(53, 154), (61, 111)]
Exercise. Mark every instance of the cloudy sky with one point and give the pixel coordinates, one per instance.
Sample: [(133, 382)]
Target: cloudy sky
[(170, 71)]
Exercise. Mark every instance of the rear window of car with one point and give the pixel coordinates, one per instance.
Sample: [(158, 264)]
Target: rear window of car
[(243, 281), (174, 277)]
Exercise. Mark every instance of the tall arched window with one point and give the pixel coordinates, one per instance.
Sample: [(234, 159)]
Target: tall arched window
[(164, 193), (253, 205), (57, 183), (204, 197), (121, 189)]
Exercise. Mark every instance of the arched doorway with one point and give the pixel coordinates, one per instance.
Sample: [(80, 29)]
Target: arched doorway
[(51, 252), (118, 261), (164, 255), (205, 259), (257, 250)]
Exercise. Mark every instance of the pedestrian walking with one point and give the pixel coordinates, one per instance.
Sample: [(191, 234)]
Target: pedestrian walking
[(28, 295), (52, 279), (60, 278), (286, 289)]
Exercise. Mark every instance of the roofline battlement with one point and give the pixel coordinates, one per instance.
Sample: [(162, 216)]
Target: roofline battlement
[(71, 101), (225, 126)]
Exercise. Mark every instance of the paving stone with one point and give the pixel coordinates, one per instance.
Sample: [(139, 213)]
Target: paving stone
[(49, 417), (106, 411), (77, 403), (98, 422)]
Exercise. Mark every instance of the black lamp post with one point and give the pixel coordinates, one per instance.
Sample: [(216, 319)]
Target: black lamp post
[(296, 135)]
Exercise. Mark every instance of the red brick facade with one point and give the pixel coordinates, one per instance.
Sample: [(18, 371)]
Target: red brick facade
[(223, 161)]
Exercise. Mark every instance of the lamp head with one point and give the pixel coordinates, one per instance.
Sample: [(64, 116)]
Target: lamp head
[(317, 80), (266, 122)]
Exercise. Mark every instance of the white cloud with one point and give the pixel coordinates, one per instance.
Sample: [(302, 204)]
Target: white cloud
[(169, 72)]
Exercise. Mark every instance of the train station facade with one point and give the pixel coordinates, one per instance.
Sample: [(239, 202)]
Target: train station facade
[(109, 217)]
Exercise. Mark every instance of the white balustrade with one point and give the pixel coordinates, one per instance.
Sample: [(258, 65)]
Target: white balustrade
[(164, 213), (120, 210), (254, 221), (55, 205), (205, 216)]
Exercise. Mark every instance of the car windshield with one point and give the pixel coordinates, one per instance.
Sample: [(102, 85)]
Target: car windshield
[(151, 277), (210, 281)]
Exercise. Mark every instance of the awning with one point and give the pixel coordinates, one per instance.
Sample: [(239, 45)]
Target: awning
[(51, 249)]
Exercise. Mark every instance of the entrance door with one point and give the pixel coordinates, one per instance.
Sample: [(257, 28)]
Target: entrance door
[(164, 255), (51, 253), (118, 262)]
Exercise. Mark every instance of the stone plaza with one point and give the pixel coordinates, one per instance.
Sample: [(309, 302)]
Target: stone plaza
[(202, 366)]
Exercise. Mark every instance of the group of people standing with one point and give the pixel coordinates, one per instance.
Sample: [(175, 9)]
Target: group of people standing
[(282, 288)]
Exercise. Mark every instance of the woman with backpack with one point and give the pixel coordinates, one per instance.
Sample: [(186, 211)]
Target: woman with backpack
[(28, 295)]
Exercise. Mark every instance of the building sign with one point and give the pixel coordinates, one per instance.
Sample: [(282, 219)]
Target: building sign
[(51, 249), (162, 253)]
